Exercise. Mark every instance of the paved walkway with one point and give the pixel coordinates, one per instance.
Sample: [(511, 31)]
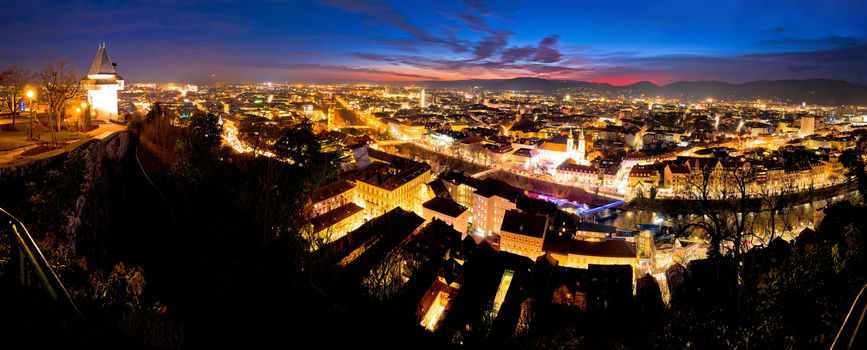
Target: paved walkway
[(14, 144)]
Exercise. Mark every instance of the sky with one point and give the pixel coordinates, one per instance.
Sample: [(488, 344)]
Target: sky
[(618, 42)]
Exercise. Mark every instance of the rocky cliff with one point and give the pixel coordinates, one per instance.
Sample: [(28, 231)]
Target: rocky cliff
[(65, 198)]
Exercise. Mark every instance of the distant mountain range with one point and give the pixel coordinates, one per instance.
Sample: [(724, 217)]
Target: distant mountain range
[(812, 91)]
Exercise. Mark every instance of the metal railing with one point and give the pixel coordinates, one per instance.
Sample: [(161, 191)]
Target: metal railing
[(851, 334), (29, 267)]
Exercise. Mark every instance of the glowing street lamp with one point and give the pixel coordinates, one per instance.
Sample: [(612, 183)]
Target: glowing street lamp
[(30, 95)]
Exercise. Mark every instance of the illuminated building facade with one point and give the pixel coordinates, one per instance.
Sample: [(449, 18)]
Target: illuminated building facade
[(336, 223), (571, 172), (642, 178), (555, 153), (449, 211), (332, 196), (808, 125), (392, 181), (490, 203), (102, 84), (438, 299), (461, 188), (523, 234), (578, 253), (422, 103)]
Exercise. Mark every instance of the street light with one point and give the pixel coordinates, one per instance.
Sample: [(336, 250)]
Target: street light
[(81, 119), (30, 95)]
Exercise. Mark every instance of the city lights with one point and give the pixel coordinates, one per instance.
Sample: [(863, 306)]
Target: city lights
[(448, 175)]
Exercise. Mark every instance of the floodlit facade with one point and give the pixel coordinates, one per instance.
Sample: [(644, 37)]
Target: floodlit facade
[(449, 211), (437, 300), (336, 223), (556, 153), (391, 182), (488, 211), (523, 234), (332, 196), (102, 84), (578, 253), (808, 125)]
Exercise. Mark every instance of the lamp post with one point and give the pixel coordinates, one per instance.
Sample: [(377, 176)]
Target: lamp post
[(82, 122), (30, 95)]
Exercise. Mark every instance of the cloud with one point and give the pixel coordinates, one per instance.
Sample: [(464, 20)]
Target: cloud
[(545, 52), (327, 67), (777, 30), (804, 67), (386, 14), (477, 5), (846, 63), (470, 67), (823, 42), (489, 45)]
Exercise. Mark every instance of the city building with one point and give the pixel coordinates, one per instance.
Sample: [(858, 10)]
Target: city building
[(642, 178), (593, 232), (336, 223), (449, 211), (438, 299), (329, 197), (579, 253), (572, 172), (490, 203), (555, 152), (421, 99), (808, 125), (523, 233), (461, 187), (391, 181)]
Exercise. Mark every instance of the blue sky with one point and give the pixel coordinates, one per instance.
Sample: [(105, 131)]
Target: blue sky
[(338, 40)]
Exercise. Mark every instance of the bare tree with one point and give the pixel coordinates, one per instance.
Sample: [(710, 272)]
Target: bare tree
[(60, 83), (742, 208), (726, 211), (700, 187), (387, 277), (15, 79), (777, 200)]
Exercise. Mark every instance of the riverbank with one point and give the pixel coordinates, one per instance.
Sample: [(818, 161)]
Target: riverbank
[(686, 206)]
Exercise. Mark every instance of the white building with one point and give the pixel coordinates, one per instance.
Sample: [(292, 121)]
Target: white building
[(102, 84), (808, 125), (422, 101), (556, 153)]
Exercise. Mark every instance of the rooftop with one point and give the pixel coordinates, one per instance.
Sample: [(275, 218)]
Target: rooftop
[(445, 206), (324, 221), (594, 227), (613, 248), (518, 222), (101, 63), (330, 190)]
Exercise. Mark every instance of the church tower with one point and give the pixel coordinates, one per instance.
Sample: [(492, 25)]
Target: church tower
[(102, 84), (570, 144), (581, 147), (422, 103)]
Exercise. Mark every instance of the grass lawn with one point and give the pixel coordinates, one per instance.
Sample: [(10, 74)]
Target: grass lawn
[(10, 140)]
